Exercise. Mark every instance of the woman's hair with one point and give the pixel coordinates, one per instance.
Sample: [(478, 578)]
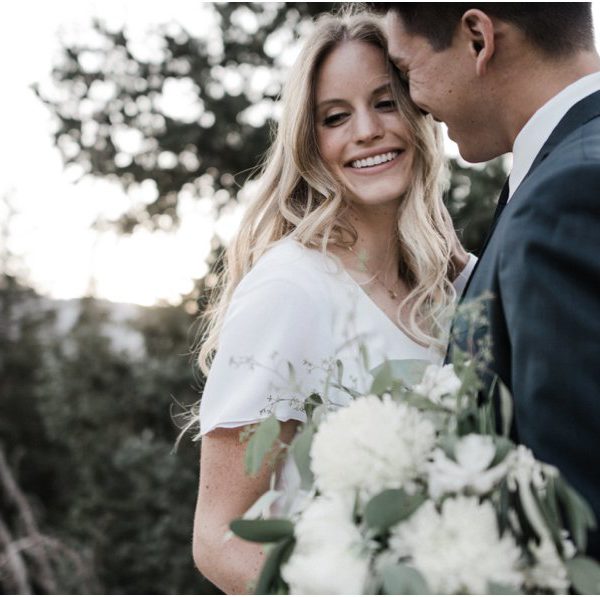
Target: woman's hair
[(296, 194)]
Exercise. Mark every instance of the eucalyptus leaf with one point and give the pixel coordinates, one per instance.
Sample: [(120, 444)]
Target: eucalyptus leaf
[(300, 449), (552, 500), (506, 407), (410, 371), (580, 516), (269, 574), (390, 507), (552, 521), (262, 531), (584, 574), (382, 379), (503, 507), (311, 403), (261, 443), (400, 579), (503, 447), (340, 370), (349, 391), (319, 414)]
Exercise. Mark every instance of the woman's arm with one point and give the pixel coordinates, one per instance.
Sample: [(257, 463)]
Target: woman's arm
[(225, 493)]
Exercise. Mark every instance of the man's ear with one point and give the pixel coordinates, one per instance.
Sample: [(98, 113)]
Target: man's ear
[(478, 29)]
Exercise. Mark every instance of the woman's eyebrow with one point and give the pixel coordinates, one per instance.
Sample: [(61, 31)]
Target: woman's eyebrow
[(326, 102), (382, 88)]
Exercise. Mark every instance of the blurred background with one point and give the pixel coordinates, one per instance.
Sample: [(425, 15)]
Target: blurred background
[(128, 133)]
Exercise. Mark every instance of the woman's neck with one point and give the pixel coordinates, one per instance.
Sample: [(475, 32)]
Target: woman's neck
[(376, 249)]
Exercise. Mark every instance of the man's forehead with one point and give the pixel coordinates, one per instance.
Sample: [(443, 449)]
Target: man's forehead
[(395, 23), (399, 40)]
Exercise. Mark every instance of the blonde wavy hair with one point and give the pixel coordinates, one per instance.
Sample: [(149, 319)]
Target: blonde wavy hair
[(296, 194)]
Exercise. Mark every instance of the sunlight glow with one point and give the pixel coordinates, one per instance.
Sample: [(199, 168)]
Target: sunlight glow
[(52, 234)]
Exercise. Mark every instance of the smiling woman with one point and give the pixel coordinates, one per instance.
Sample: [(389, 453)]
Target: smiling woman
[(363, 138), (346, 246)]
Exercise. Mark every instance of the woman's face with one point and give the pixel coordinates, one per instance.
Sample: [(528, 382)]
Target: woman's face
[(363, 140)]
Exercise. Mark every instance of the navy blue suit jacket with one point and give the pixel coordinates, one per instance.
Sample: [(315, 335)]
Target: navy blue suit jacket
[(542, 268)]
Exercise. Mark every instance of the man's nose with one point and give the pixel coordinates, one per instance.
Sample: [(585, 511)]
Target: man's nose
[(367, 126)]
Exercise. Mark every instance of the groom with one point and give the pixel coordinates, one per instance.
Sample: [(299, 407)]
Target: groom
[(525, 78)]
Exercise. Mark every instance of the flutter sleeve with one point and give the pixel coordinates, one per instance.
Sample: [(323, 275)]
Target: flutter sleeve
[(271, 354)]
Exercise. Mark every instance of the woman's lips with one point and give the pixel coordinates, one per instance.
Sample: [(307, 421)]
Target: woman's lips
[(377, 168)]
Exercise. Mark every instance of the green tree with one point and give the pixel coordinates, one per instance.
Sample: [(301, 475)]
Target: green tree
[(128, 498), (232, 82), (104, 93)]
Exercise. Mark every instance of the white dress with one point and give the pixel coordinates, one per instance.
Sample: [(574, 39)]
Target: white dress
[(290, 319)]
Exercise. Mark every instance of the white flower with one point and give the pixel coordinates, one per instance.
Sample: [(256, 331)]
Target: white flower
[(327, 542), (474, 454), (524, 466), (549, 572), (440, 385), (458, 550), (569, 549), (371, 445)]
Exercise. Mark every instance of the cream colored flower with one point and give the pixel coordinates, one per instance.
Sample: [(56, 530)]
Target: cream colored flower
[(469, 471), (371, 445), (458, 550), (549, 572), (440, 385), (329, 556)]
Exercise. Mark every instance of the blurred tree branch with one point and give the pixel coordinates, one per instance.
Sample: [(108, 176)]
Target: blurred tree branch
[(40, 549)]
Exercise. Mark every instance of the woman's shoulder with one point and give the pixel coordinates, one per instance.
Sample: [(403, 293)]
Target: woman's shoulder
[(288, 261)]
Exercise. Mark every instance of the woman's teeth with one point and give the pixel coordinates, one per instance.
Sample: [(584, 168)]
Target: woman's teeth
[(375, 160)]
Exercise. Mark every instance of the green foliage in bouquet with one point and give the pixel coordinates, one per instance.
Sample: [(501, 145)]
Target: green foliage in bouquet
[(411, 489)]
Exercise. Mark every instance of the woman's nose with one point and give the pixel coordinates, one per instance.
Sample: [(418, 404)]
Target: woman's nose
[(367, 126)]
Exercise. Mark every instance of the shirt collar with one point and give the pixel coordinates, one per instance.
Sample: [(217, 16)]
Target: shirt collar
[(538, 128)]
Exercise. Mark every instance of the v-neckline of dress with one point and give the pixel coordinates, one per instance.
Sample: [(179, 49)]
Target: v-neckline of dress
[(379, 310), (368, 299)]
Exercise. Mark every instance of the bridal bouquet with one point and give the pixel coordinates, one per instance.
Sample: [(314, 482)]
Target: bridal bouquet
[(410, 490)]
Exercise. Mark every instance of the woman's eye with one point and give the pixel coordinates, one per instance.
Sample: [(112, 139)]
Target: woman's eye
[(386, 104), (334, 119)]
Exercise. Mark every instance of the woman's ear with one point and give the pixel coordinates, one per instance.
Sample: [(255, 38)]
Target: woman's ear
[(478, 29)]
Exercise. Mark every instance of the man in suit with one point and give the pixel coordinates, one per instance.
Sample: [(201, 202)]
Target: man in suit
[(525, 77)]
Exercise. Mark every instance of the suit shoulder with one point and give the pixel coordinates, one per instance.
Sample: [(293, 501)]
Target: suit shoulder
[(582, 145), (574, 163)]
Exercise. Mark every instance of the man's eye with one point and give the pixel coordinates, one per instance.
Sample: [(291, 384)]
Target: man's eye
[(334, 119)]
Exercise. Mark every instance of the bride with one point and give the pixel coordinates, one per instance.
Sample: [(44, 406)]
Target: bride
[(346, 254)]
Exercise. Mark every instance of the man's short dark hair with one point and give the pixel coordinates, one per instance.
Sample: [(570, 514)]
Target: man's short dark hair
[(556, 28)]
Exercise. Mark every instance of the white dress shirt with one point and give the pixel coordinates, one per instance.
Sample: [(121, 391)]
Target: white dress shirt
[(538, 128)]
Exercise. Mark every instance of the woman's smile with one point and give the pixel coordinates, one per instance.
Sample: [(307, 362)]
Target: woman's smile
[(364, 140), (376, 163)]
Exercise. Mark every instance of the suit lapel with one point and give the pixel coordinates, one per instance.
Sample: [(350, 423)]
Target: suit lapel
[(582, 112)]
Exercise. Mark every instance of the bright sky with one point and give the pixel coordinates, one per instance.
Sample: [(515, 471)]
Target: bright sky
[(52, 229)]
